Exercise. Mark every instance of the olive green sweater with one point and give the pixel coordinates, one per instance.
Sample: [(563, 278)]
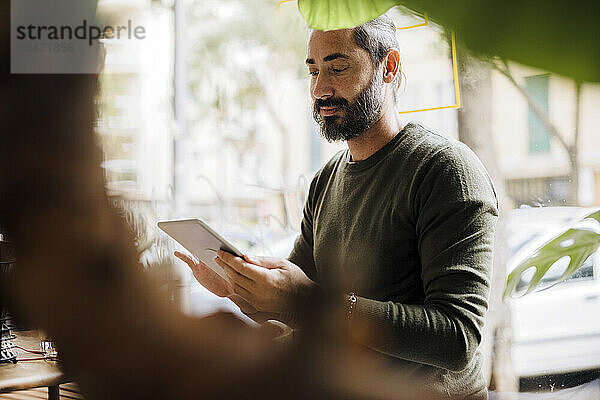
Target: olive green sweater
[(410, 231)]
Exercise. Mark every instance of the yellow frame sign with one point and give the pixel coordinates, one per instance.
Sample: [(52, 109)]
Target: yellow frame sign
[(454, 66), (456, 86)]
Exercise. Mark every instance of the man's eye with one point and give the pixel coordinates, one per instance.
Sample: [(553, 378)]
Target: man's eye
[(313, 73), (337, 70)]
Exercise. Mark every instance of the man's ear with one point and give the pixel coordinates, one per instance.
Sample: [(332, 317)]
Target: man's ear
[(391, 65)]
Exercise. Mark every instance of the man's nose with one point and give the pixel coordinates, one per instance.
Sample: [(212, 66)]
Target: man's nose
[(322, 88)]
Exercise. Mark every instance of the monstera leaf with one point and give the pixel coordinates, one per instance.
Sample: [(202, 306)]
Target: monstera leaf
[(338, 14), (576, 243)]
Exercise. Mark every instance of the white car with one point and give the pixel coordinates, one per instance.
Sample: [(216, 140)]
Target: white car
[(556, 330)]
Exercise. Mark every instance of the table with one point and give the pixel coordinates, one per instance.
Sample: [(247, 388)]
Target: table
[(31, 374)]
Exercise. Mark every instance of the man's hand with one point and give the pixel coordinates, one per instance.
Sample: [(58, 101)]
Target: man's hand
[(267, 283), (214, 283)]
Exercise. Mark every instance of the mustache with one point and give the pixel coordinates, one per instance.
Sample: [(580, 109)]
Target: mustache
[(331, 102)]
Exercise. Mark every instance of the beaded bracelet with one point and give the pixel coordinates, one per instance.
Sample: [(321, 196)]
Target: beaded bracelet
[(351, 302)]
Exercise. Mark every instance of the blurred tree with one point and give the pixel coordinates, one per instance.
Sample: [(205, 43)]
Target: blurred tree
[(237, 50), (572, 148)]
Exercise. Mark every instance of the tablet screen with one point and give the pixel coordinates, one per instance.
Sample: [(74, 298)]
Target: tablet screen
[(199, 239)]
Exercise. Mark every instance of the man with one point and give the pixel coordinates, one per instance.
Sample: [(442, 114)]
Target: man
[(403, 220)]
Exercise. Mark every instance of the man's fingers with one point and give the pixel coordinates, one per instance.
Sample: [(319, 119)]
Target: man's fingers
[(234, 276), (185, 258), (194, 266), (243, 304), (266, 262), (244, 268), (180, 255), (244, 293)]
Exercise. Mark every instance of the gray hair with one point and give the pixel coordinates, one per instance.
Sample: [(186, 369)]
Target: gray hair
[(377, 37)]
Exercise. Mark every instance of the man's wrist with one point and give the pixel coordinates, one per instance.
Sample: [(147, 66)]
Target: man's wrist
[(304, 295)]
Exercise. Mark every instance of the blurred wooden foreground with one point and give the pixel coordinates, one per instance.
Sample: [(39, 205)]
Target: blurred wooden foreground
[(79, 279), (67, 391)]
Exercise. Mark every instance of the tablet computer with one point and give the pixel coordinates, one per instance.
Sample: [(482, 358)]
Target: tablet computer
[(199, 239)]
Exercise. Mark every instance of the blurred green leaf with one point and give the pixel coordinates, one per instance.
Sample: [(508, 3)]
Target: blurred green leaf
[(558, 36), (576, 243), (338, 14)]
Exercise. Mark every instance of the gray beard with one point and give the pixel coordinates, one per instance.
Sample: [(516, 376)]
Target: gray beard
[(358, 116)]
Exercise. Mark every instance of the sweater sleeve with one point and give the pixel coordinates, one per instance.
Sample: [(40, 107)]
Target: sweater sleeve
[(455, 209)]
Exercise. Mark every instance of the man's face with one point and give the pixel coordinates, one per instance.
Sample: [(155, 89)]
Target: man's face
[(347, 92)]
